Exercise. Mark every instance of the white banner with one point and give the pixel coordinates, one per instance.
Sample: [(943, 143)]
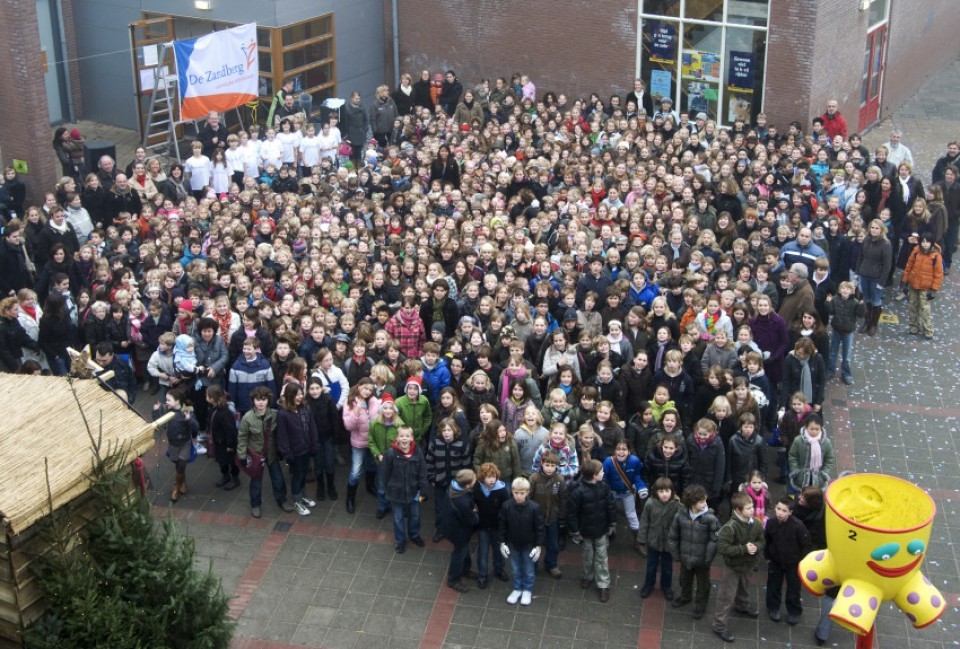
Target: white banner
[(217, 71)]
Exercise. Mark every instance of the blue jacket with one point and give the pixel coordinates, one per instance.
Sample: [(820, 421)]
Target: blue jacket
[(437, 378), (632, 468), (245, 376)]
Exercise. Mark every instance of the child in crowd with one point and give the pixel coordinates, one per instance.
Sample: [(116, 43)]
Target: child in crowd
[(548, 489), (811, 458), (461, 518), (653, 538), (693, 541), (447, 454), (740, 542), (591, 521), (622, 471), (522, 535), (843, 311), (489, 495), (756, 488), (787, 541), (405, 479)]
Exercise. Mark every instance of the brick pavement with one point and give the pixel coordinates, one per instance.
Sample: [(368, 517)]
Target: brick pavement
[(332, 580)]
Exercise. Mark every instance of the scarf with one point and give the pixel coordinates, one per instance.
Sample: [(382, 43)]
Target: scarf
[(658, 363), (223, 321), (711, 321), (806, 382), (409, 453), (62, 228), (816, 453), (30, 311), (759, 499)]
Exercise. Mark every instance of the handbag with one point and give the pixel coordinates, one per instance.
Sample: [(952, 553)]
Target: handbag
[(256, 461)]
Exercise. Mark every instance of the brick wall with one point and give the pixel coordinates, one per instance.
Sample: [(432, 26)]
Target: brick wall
[(838, 60), (923, 39), (564, 45), (26, 131), (790, 55), (70, 35)]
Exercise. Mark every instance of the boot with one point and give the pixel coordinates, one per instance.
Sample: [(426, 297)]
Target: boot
[(233, 484), (321, 489), (874, 321), (866, 319), (183, 484), (370, 481), (331, 489), (223, 481), (175, 494), (351, 498)]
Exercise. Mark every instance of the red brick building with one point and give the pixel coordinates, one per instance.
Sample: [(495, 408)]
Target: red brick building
[(722, 57)]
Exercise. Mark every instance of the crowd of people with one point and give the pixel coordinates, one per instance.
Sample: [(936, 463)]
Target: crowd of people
[(532, 309)]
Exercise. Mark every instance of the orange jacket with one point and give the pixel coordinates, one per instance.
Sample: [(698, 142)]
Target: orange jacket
[(924, 271)]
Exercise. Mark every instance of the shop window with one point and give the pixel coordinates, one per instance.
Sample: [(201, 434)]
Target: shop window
[(700, 70), (744, 62), (711, 10), (748, 12), (667, 8), (659, 63), (318, 76)]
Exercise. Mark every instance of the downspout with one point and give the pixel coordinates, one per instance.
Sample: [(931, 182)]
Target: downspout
[(394, 14)]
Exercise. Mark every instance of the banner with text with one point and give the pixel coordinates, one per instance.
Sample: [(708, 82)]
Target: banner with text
[(740, 75), (217, 71)]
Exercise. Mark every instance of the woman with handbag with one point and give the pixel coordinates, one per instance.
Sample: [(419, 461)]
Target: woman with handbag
[(182, 431), (257, 450)]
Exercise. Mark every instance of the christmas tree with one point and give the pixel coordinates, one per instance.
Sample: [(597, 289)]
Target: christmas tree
[(124, 580)]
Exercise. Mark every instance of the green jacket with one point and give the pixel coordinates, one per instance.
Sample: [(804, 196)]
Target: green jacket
[(382, 435), (507, 459), (798, 461), (417, 416), (251, 434), (732, 543)]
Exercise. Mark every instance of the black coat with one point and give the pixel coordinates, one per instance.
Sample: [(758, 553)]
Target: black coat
[(207, 134), (591, 510), (707, 465), (445, 173), (450, 94), (223, 431), (786, 543), (489, 505), (324, 412), (461, 518), (357, 123), (95, 331), (421, 95), (13, 339), (404, 476), (55, 336), (451, 315), (745, 456), (13, 268), (521, 526), (95, 202), (676, 468), (123, 202), (49, 238)]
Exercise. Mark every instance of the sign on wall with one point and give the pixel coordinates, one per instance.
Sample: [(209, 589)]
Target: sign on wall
[(217, 71)]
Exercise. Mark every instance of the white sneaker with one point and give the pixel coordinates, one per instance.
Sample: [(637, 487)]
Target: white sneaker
[(514, 597), (309, 503), (201, 449), (525, 598), (300, 508)]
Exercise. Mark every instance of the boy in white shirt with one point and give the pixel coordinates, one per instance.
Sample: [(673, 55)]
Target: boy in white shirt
[(271, 151), (309, 151), (198, 170), (234, 155)]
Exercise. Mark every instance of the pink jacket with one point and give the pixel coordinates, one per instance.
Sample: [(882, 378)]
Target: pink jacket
[(357, 421)]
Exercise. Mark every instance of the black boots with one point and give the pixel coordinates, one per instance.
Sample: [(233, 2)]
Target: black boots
[(875, 320), (370, 481), (351, 498), (866, 319), (331, 489)]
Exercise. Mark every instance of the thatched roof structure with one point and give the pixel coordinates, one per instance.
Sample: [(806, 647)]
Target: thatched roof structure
[(42, 431)]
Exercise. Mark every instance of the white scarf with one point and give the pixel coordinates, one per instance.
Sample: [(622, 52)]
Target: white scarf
[(816, 453)]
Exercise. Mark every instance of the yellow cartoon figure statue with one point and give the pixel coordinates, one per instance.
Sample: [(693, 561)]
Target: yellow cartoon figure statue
[(878, 528)]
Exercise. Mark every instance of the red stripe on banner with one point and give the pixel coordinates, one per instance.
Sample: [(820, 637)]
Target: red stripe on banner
[(197, 107)]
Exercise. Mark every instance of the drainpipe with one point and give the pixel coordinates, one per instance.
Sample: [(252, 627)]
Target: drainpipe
[(396, 43)]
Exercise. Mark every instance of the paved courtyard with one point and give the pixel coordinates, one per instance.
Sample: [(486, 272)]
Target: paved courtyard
[(332, 580)]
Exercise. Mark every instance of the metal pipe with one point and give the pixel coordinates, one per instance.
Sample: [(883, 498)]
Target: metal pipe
[(396, 42)]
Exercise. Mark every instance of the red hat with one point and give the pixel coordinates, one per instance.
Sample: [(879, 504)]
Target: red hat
[(75, 134), (386, 398), (413, 380), (464, 127)]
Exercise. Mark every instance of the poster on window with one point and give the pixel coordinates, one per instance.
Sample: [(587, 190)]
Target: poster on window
[(739, 108), (663, 43), (661, 84), (702, 66), (740, 76)]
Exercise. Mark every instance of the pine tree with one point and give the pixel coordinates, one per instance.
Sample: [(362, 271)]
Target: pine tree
[(124, 581)]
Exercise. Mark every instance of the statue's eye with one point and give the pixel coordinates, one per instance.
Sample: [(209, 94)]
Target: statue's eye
[(916, 547), (885, 551)]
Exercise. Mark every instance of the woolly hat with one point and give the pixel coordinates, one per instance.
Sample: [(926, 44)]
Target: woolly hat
[(413, 380), (386, 398), (439, 326), (570, 315)]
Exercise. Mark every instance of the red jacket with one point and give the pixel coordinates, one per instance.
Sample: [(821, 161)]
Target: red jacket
[(835, 125), (924, 271)]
